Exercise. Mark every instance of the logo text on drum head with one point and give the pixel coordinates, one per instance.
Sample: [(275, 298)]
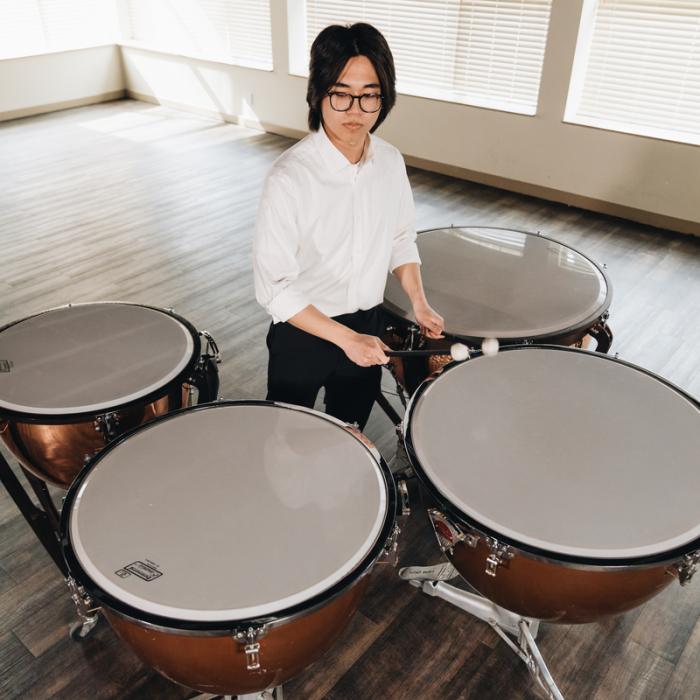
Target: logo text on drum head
[(138, 568)]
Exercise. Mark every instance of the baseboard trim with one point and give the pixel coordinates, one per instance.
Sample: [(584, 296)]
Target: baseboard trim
[(58, 106)]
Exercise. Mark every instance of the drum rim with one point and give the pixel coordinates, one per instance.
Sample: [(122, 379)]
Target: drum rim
[(217, 627), (533, 552), (81, 416), (599, 314)]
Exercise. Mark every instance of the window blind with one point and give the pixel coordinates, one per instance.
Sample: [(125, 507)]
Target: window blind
[(482, 52), (39, 26), (637, 68), (221, 30)]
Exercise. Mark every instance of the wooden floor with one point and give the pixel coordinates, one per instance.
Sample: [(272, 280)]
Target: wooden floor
[(134, 202)]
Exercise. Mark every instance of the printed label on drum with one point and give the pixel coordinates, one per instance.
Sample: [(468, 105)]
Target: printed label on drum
[(5, 365), (147, 572)]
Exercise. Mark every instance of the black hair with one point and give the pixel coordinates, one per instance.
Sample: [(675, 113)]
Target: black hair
[(332, 49)]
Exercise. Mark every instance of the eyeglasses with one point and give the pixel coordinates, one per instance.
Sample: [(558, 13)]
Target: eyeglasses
[(343, 101)]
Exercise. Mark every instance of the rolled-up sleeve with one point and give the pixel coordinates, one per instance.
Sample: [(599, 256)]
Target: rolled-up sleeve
[(275, 245), (404, 249)]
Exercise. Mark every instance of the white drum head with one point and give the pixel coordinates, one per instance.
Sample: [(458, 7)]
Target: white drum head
[(566, 451), (228, 512), (498, 283), (89, 357)]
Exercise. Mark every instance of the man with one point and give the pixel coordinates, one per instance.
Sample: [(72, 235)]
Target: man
[(336, 215)]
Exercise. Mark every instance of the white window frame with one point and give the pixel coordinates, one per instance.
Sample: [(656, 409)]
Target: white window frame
[(578, 74), (66, 47), (128, 42), (298, 66)]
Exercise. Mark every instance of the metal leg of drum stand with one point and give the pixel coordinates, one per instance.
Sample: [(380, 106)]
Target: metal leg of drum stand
[(42, 493), (40, 521), (44, 524), (384, 404), (504, 622), (399, 464)]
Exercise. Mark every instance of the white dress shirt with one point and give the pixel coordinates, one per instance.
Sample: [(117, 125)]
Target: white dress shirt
[(328, 231)]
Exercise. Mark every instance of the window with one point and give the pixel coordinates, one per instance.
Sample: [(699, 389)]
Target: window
[(230, 31), (30, 27), (486, 53), (637, 68)]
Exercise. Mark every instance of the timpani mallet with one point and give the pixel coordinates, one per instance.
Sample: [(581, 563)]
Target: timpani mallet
[(458, 351)]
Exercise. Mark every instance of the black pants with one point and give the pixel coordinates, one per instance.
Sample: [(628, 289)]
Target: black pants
[(300, 364)]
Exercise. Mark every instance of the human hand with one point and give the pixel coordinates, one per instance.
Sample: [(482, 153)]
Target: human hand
[(431, 323), (365, 350)]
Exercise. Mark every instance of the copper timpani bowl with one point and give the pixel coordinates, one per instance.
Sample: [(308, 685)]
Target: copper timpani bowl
[(543, 469), (490, 282), (78, 376), (229, 544)]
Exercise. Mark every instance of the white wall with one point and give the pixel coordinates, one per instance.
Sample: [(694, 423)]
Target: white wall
[(39, 83)]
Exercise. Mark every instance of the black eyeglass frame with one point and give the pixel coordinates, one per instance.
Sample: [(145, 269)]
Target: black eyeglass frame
[(332, 93)]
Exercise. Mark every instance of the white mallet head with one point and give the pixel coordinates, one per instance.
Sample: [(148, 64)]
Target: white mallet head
[(489, 346), (459, 352)]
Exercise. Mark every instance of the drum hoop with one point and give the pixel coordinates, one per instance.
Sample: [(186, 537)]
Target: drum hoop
[(79, 417), (541, 338), (216, 627), (532, 552)]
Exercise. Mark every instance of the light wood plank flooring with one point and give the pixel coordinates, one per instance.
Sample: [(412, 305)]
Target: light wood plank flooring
[(134, 202)]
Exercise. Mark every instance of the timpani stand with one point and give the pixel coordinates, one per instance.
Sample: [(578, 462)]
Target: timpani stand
[(218, 618), (530, 496), (43, 519), (518, 632), (74, 378), (520, 288)]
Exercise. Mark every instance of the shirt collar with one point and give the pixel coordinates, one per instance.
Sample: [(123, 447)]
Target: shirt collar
[(333, 158)]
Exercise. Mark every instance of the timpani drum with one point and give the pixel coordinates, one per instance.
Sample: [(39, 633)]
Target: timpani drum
[(564, 484), (499, 283), (75, 377), (229, 544)]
